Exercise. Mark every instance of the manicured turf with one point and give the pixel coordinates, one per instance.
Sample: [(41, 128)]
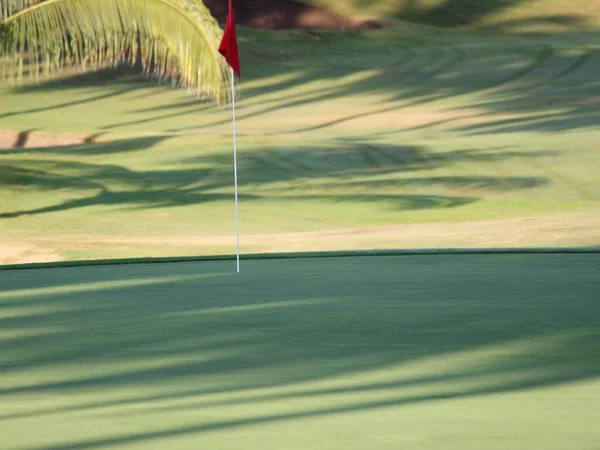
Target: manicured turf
[(505, 15), (412, 352), (340, 135)]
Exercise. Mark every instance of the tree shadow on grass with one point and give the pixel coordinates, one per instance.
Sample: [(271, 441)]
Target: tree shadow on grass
[(113, 81), (207, 178), (123, 75), (503, 73), (460, 13), (469, 183), (89, 148), (124, 81), (287, 329), (452, 13), (496, 77)]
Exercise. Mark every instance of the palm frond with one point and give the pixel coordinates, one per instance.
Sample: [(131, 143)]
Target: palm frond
[(174, 40), (9, 7)]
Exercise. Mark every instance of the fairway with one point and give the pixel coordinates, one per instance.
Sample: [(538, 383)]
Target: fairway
[(389, 352), (408, 137)]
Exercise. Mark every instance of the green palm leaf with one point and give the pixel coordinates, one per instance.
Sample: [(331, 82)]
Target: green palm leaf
[(174, 40)]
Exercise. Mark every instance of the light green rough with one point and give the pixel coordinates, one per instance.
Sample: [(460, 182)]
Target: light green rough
[(336, 133), (419, 352), (503, 15)]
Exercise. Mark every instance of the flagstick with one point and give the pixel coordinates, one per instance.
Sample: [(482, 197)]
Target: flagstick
[(237, 225)]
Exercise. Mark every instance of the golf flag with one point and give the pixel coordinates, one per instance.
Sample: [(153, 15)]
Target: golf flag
[(228, 47)]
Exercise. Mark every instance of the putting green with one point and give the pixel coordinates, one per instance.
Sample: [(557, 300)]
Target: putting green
[(412, 352)]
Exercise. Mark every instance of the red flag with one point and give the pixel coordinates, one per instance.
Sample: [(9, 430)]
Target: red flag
[(228, 47)]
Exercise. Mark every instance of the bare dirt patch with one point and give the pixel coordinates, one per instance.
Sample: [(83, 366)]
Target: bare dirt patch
[(34, 139), (278, 14), (22, 253)]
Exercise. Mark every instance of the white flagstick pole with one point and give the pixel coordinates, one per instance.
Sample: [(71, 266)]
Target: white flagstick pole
[(237, 225)]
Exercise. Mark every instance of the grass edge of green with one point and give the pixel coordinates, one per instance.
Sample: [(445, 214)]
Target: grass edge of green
[(298, 255)]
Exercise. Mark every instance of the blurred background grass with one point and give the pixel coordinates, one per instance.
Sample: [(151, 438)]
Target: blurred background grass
[(402, 137)]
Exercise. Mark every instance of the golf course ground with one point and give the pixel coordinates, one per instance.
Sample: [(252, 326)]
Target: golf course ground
[(416, 352), (419, 228), (401, 137)]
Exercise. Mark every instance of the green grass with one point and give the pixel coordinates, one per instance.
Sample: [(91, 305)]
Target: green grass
[(415, 352), (338, 132), (507, 15)]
